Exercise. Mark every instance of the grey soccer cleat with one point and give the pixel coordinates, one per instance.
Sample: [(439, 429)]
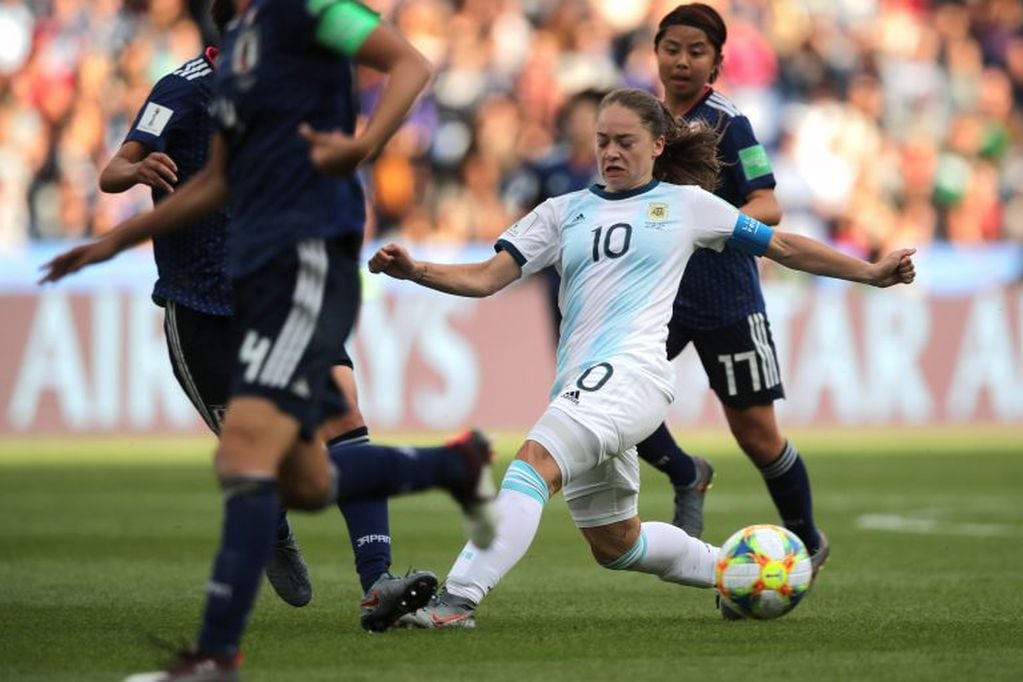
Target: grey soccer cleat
[(191, 665), (444, 611), (288, 573), (476, 495), (818, 558), (689, 499), (392, 597)]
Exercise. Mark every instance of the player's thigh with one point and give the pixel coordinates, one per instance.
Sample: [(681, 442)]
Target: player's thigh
[(741, 362), (605, 495), (202, 356), (254, 438), (617, 406)]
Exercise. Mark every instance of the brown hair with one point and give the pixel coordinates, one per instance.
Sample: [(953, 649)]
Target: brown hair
[(690, 154), (702, 17)]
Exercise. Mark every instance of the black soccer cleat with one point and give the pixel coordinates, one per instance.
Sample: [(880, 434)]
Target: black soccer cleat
[(391, 597)]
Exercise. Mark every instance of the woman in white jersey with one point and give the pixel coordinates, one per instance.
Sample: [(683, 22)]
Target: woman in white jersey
[(621, 249)]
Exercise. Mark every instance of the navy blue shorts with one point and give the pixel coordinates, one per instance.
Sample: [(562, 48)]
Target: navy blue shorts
[(292, 316), (740, 360), (202, 357)]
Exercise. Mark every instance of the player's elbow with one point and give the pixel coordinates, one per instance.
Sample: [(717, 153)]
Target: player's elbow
[(420, 68), (781, 249), (109, 182)]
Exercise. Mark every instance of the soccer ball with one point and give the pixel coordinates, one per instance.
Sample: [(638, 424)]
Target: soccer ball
[(763, 571)]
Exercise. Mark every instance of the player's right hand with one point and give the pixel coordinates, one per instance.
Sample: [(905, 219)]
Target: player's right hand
[(77, 258), (158, 171), (395, 261)]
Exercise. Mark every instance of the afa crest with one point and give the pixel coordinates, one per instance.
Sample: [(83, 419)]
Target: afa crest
[(657, 212)]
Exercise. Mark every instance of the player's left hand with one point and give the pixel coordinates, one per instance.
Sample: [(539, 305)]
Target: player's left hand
[(895, 268), (77, 258), (333, 152)]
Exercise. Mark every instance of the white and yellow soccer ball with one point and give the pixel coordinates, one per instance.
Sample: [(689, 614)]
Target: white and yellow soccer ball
[(763, 571)]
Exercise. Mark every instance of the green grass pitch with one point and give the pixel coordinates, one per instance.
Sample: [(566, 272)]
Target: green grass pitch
[(103, 543)]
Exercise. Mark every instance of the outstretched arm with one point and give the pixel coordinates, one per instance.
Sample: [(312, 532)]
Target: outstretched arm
[(809, 255), (463, 279), (203, 194)]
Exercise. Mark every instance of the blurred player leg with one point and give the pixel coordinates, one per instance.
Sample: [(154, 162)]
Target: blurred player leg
[(199, 348), (254, 434)]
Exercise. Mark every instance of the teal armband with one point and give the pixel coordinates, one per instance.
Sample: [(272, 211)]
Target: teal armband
[(342, 25), (751, 235)]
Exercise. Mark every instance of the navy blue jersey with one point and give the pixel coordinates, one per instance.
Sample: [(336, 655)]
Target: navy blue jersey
[(272, 76), (719, 289), (175, 120)]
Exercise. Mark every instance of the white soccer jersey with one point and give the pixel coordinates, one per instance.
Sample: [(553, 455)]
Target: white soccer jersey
[(621, 257)]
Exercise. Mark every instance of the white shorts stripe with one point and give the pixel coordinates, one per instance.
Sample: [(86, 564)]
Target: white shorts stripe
[(294, 330), (772, 356), (311, 297), (170, 328), (300, 324), (767, 360)]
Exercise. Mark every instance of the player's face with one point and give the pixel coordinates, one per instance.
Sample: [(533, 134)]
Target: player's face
[(685, 61), (625, 149)]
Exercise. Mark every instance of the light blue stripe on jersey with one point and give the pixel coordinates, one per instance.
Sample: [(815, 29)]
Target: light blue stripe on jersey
[(630, 558), (643, 278), (750, 235), (523, 478)]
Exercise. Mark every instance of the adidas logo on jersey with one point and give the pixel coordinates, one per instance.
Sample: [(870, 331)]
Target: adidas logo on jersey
[(571, 396), (575, 220)]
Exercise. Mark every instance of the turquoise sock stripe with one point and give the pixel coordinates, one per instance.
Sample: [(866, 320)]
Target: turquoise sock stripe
[(523, 478), (630, 558)]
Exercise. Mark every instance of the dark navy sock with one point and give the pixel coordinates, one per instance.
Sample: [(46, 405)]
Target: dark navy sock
[(661, 451), (368, 527), (789, 485), (374, 471), (250, 521)]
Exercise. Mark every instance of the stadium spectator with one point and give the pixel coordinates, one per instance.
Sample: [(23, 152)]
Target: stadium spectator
[(822, 83)]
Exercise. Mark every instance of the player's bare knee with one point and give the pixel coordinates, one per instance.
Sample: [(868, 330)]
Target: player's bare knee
[(537, 456)]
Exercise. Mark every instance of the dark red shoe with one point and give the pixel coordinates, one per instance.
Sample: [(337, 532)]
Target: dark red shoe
[(192, 665)]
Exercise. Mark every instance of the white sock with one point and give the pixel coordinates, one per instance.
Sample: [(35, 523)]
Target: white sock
[(520, 505), (670, 554)]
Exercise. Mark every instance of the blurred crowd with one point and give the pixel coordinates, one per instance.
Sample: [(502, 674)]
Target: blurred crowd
[(887, 121)]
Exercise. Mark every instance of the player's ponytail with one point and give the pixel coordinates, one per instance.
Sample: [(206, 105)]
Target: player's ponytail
[(690, 154)]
